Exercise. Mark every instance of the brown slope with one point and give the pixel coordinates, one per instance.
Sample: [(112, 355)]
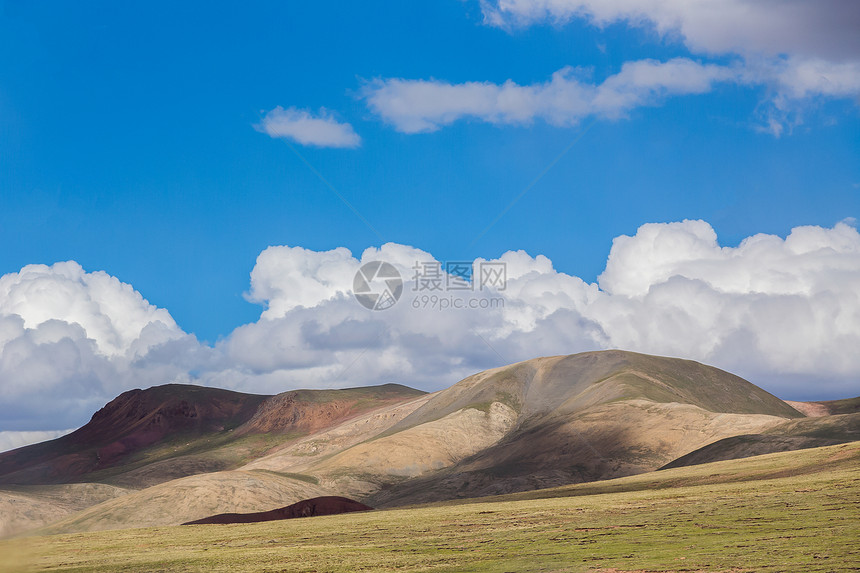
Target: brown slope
[(325, 505)]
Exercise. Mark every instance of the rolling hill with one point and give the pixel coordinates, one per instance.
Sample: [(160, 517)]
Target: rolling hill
[(540, 423), (587, 417)]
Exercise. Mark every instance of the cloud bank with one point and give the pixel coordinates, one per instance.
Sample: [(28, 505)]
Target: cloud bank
[(783, 312), (305, 128), (70, 339)]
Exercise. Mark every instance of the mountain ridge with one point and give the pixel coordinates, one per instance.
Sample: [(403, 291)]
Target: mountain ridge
[(183, 417)]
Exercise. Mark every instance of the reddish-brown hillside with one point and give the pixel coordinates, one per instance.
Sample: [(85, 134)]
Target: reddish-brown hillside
[(131, 422), (308, 411)]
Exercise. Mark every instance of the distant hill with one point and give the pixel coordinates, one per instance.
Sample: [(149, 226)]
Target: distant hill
[(789, 436), (827, 407)]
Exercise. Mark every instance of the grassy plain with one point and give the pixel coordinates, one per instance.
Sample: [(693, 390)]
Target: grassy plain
[(793, 511)]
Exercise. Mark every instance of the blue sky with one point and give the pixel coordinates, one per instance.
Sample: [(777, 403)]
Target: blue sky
[(170, 144), (129, 145)]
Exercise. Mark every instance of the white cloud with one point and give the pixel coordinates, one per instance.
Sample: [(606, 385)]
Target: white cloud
[(824, 29), (767, 307), (799, 49), (305, 128), (803, 78), (414, 106), (110, 313), (71, 340), (783, 312), (288, 277)]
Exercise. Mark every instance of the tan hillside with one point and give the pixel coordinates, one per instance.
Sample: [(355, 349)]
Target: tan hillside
[(27, 507), (601, 442), (190, 498), (572, 383), (555, 420), (307, 451), (415, 451)]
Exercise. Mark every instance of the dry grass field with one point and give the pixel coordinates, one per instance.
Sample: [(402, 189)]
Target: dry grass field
[(793, 511)]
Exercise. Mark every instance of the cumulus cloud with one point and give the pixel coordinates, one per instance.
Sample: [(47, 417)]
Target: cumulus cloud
[(65, 293), (768, 307), (782, 312), (426, 105), (810, 77), (305, 128), (71, 340), (288, 277)]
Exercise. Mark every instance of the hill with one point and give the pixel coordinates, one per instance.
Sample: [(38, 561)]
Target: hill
[(314, 507), (29, 507), (540, 423), (132, 422), (552, 421), (145, 437)]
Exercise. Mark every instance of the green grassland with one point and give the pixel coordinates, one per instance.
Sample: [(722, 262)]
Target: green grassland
[(793, 511)]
